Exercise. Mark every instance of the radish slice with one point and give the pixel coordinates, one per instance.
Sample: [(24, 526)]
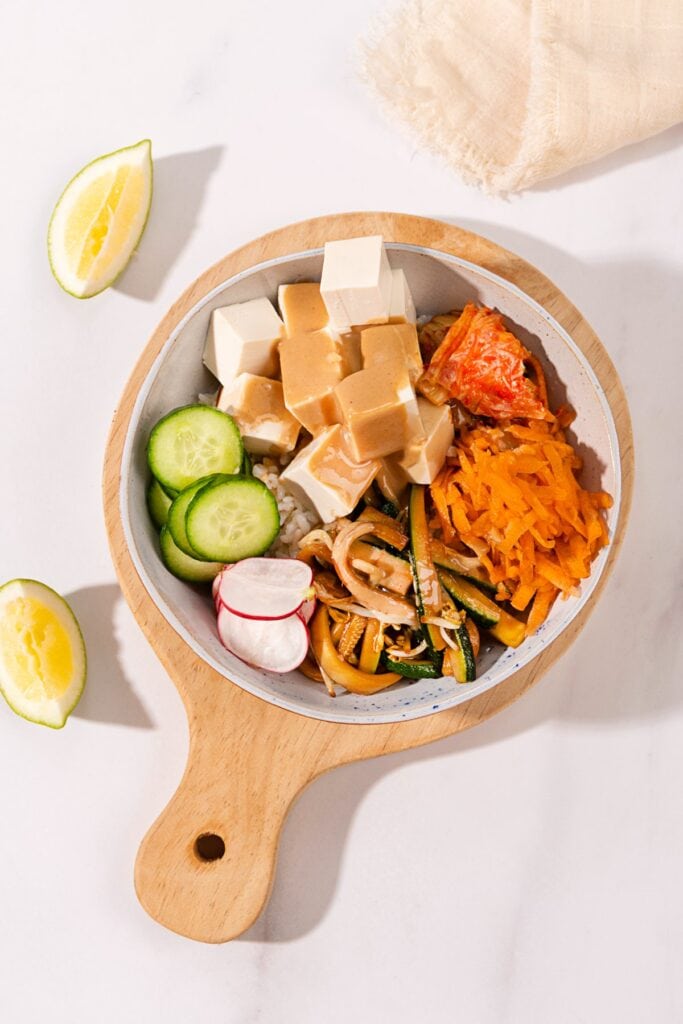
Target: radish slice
[(215, 588), (277, 646), (266, 588), (306, 610), (305, 613)]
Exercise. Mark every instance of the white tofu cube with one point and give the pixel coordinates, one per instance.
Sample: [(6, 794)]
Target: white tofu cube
[(325, 475), (356, 282), (401, 305), (423, 460), (258, 407), (243, 338)]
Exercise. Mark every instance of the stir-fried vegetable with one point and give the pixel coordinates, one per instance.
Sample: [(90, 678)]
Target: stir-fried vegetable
[(337, 669), (373, 645), (381, 567), (384, 528), (425, 578), (464, 565), (371, 597), (351, 632)]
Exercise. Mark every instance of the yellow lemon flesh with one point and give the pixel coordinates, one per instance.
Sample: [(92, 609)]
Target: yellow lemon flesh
[(99, 220), (42, 654)]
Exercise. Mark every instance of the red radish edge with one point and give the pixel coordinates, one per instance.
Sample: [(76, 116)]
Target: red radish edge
[(300, 647), (307, 609), (300, 594)]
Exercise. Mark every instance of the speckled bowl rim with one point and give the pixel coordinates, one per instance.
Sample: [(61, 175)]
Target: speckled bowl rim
[(511, 660)]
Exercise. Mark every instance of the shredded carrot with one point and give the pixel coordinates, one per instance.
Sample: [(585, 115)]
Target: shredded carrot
[(512, 496)]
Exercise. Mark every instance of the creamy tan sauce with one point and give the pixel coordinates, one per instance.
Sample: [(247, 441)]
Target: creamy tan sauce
[(302, 308), (311, 365), (333, 464)]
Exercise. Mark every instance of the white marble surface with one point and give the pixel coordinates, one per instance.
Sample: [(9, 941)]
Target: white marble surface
[(529, 871)]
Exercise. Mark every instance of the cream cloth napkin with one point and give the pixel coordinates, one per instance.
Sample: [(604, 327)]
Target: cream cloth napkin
[(510, 92)]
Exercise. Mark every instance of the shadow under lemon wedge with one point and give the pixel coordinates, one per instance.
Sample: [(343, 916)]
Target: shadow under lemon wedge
[(42, 653), (99, 220)]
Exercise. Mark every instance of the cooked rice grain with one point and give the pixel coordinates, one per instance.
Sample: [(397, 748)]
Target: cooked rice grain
[(296, 520)]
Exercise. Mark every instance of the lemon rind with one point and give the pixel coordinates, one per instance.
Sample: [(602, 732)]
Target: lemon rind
[(59, 211), (72, 695)]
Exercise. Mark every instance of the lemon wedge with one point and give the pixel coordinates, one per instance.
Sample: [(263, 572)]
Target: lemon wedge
[(99, 220), (42, 654)]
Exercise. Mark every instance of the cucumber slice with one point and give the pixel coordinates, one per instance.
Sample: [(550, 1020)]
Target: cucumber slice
[(178, 511), (246, 469), (193, 442), (158, 503), (181, 565), (237, 518)]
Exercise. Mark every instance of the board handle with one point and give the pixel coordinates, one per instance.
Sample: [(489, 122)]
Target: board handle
[(206, 867)]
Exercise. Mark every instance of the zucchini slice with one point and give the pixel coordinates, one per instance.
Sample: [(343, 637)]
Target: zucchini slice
[(411, 669), (509, 631), (462, 659), (389, 509), (485, 612), (425, 578)]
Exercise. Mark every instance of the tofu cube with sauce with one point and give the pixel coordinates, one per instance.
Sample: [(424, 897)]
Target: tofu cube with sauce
[(392, 479), (356, 282), (325, 474), (401, 305), (353, 359), (422, 460), (312, 364), (258, 407), (302, 308), (243, 338), (379, 409), (391, 341)]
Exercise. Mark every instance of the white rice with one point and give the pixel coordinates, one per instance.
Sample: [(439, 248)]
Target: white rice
[(296, 520)]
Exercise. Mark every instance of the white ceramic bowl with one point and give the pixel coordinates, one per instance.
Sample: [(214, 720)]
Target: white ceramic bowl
[(439, 282)]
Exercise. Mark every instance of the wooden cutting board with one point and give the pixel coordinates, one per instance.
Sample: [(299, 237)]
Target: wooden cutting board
[(206, 866)]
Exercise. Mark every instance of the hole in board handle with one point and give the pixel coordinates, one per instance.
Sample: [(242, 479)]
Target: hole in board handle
[(209, 846)]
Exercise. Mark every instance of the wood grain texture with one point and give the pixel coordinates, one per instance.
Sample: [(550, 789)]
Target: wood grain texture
[(248, 759)]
